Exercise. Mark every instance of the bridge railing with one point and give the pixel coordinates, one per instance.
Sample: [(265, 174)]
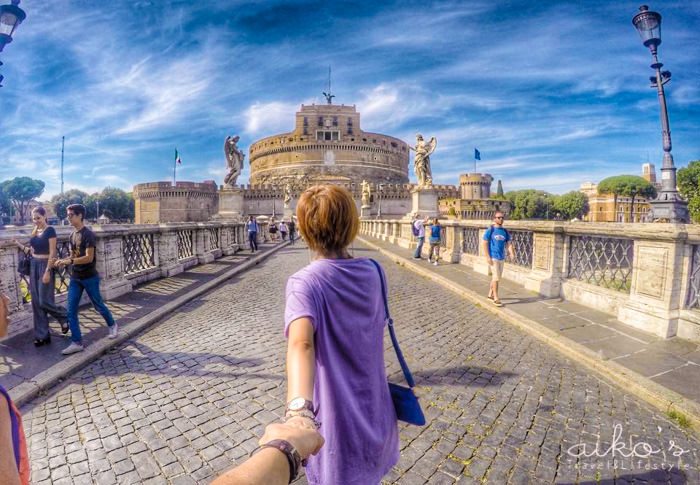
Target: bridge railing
[(644, 275), (127, 254)]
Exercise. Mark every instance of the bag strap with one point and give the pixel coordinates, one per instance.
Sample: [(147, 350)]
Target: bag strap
[(392, 334)]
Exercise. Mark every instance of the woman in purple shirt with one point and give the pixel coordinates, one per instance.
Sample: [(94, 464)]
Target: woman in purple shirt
[(334, 320)]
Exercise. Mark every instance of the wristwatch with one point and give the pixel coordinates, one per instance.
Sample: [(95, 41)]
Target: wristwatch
[(299, 403)]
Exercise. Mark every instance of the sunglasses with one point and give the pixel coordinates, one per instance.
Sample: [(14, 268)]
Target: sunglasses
[(70, 216), (501, 217)]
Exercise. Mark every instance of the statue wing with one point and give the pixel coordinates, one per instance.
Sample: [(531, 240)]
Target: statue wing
[(431, 145)]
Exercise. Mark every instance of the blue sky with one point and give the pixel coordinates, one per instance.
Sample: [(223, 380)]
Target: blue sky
[(552, 93)]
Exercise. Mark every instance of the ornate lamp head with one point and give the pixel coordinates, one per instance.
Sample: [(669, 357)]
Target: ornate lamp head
[(648, 24)]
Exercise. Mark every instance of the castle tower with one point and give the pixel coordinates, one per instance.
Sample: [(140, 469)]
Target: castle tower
[(327, 146), (475, 186)]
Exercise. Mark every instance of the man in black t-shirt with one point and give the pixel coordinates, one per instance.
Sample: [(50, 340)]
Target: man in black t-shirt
[(83, 277)]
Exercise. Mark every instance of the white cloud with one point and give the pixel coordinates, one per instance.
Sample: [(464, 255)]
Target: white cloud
[(271, 118)]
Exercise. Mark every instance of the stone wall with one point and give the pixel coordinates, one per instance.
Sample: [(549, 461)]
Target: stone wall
[(127, 255), (645, 275), (158, 202)]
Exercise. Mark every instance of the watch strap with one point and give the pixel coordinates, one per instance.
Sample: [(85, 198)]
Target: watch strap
[(293, 457)]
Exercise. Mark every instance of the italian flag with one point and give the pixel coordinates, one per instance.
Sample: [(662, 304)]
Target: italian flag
[(177, 158)]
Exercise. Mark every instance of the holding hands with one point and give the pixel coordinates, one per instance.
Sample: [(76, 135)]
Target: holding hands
[(303, 436)]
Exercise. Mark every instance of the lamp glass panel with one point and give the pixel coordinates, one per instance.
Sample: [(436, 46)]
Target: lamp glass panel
[(8, 21), (649, 27)]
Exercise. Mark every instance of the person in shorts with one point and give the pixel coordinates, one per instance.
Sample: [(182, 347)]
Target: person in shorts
[(434, 241), (495, 243)]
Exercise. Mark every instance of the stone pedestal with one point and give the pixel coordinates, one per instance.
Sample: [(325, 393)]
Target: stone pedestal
[(424, 202), (365, 211), (288, 213), (655, 294), (230, 204)]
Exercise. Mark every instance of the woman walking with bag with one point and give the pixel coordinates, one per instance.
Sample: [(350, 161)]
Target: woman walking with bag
[(42, 279), (334, 320)]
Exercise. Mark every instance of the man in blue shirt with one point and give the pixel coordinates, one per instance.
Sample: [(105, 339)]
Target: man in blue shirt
[(496, 242), (252, 227)]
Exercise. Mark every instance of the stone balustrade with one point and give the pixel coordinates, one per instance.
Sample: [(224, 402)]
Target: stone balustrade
[(644, 275), (127, 254)]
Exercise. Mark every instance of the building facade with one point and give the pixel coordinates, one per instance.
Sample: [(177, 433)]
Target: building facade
[(328, 145)]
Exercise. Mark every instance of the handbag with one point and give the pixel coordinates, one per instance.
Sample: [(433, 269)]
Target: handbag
[(24, 264), (405, 401)]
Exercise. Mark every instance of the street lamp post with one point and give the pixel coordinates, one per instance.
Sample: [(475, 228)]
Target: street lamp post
[(10, 18), (668, 205)]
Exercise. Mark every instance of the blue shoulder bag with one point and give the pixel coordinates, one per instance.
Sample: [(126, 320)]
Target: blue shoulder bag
[(405, 401)]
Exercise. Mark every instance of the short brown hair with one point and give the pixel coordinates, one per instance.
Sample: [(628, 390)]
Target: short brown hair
[(328, 219)]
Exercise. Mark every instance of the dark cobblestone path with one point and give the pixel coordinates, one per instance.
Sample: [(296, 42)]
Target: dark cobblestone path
[(185, 400)]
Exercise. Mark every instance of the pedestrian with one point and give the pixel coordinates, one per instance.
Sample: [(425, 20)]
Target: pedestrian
[(14, 460), (272, 229), (496, 241), (434, 241), (334, 320), (292, 228), (252, 227), (42, 280), (84, 276), (283, 230), (419, 231)]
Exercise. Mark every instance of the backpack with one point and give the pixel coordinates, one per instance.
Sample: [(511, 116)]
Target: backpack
[(414, 229)]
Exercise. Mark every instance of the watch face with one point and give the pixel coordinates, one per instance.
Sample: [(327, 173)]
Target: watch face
[(297, 404)]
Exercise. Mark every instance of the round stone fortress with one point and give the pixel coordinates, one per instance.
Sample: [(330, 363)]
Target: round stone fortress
[(328, 146)]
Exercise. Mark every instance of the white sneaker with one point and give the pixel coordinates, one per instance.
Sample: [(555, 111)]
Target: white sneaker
[(435, 263), (113, 330), (73, 348)]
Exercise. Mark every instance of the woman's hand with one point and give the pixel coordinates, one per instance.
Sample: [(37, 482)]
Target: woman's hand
[(46, 277), (306, 441)]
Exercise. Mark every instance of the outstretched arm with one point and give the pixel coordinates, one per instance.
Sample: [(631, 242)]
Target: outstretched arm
[(300, 360)]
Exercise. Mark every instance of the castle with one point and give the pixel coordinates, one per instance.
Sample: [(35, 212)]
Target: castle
[(327, 145)]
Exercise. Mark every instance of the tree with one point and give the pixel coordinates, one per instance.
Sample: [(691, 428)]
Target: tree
[(499, 191), (116, 204), (571, 205), (21, 191), (626, 186), (59, 202), (529, 204), (5, 203), (689, 185)]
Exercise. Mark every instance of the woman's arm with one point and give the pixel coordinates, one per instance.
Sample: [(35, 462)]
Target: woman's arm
[(52, 253), (8, 467), (300, 360)]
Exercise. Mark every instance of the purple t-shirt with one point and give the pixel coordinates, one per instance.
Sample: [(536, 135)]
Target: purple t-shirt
[(343, 299)]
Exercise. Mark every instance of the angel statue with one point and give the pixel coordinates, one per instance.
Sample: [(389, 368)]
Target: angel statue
[(234, 160), (421, 163), (287, 195), (365, 193)]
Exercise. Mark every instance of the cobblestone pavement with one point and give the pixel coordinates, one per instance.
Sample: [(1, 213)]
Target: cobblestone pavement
[(188, 398)]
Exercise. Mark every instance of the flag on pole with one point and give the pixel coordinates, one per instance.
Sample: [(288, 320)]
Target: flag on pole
[(477, 154), (177, 158)]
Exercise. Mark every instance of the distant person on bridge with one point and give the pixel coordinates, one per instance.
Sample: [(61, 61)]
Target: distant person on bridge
[(84, 276), (252, 228), (283, 230), (292, 228), (334, 320), (434, 240), (495, 243)]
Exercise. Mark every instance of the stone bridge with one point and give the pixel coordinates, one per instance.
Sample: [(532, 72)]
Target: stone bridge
[(512, 395)]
